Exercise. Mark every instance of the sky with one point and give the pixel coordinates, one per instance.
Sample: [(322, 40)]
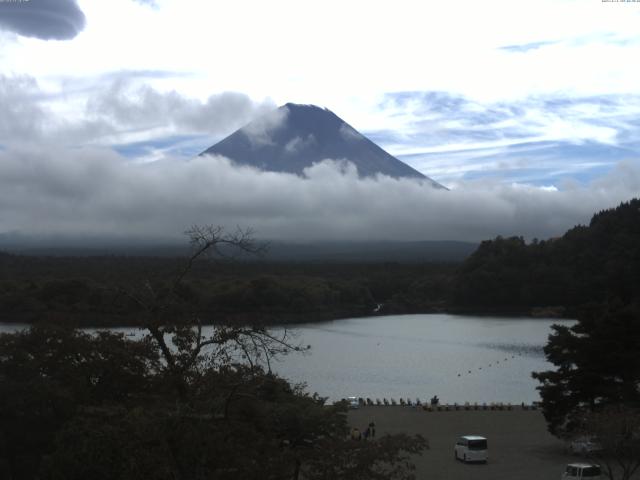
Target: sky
[(528, 111)]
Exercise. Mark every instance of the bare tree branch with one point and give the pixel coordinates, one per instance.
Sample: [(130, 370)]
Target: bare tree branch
[(257, 345)]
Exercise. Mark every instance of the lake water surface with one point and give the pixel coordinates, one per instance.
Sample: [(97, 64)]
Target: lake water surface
[(458, 358)]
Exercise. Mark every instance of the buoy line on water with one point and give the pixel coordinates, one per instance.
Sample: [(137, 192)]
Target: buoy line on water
[(493, 364)]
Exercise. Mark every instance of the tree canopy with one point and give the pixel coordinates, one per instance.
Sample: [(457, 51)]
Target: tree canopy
[(590, 263), (175, 404), (597, 366), (616, 429)]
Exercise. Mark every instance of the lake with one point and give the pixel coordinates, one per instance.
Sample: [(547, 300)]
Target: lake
[(459, 358)]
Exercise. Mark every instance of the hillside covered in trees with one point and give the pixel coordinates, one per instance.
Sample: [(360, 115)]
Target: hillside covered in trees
[(88, 290), (589, 263)]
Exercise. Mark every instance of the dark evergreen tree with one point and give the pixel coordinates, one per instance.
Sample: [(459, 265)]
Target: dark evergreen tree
[(597, 262), (597, 365)]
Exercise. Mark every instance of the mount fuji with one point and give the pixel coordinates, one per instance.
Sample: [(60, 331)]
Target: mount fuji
[(294, 137)]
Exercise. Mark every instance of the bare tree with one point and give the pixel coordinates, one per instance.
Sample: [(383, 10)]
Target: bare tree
[(178, 332), (617, 430)]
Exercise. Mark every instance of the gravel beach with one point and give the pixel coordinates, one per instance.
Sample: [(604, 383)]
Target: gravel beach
[(519, 445)]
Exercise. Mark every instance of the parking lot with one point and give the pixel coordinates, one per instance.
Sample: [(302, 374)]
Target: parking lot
[(519, 445)]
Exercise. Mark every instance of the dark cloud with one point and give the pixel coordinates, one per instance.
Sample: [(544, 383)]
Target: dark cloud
[(44, 19), (22, 115), (50, 191), (125, 105), (141, 106)]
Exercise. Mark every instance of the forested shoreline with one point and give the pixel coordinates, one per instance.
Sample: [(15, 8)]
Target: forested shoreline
[(88, 290), (504, 276), (105, 406)]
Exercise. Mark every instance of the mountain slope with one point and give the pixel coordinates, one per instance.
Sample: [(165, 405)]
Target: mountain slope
[(294, 137)]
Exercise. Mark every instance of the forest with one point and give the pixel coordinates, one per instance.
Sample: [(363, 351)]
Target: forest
[(177, 403), (553, 277), (181, 404), (589, 263), (88, 290)]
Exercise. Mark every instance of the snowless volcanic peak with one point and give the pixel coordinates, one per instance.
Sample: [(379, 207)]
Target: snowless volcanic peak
[(294, 137)]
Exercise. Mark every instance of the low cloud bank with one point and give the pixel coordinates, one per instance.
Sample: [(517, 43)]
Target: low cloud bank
[(48, 192)]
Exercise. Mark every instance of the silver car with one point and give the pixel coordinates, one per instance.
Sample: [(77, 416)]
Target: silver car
[(579, 471)]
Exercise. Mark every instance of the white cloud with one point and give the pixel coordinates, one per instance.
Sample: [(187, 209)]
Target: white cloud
[(95, 192), (248, 46), (298, 144), (348, 133), (125, 109), (288, 51), (260, 130), (450, 136)]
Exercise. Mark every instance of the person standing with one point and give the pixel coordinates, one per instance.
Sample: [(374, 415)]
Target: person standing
[(372, 429)]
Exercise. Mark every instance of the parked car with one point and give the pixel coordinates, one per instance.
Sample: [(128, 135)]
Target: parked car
[(584, 446), (578, 471), (471, 448)]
